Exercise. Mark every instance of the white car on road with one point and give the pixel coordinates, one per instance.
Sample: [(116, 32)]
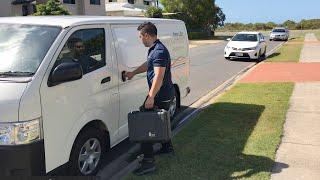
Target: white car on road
[(279, 34), (248, 45)]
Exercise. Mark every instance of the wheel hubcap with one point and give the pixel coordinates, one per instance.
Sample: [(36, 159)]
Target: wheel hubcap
[(89, 156)]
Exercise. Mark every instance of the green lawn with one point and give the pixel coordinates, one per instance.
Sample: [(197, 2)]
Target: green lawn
[(234, 138), (289, 52)]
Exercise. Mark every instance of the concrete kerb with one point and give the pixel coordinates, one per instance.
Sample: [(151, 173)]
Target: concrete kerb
[(275, 49), (194, 110)]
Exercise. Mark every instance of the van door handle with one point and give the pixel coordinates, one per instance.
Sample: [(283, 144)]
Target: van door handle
[(123, 76), (105, 80)]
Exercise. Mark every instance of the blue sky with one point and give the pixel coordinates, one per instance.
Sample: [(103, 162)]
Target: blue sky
[(278, 11)]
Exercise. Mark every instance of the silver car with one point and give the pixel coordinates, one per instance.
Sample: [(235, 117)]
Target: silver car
[(279, 34)]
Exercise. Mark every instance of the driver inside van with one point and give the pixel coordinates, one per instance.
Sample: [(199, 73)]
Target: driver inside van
[(78, 54)]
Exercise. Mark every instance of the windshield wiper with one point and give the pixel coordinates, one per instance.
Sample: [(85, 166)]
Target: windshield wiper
[(16, 74)]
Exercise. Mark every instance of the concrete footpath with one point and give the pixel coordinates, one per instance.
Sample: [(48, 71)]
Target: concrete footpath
[(300, 146), (311, 49)]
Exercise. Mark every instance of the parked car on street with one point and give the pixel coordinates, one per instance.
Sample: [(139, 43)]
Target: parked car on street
[(63, 98), (279, 33), (249, 45)]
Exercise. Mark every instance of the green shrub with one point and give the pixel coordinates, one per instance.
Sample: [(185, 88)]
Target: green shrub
[(52, 7), (153, 12)]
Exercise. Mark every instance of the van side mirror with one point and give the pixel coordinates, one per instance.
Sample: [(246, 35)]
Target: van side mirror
[(228, 39), (65, 72)]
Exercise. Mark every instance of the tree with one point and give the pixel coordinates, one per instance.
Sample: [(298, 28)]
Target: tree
[(201, 15), (289, 24), (219, 18), (271, 25), (153, 12), (52, 7)]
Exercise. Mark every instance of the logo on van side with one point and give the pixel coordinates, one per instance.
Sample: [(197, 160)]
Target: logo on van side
[(178, 33), (152, 134)]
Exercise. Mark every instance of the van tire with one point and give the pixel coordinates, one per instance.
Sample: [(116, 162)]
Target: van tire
[(86, 136)]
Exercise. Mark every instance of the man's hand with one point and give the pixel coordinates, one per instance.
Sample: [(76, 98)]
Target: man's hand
[(129, 75), (149, 103)]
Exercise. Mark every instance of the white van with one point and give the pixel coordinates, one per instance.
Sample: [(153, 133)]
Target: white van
[(56, 112)]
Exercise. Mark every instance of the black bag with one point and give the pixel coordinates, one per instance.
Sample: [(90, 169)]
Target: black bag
[(149, 126)]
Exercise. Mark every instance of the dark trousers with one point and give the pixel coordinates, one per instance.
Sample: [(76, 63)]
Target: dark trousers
[(147, 148)]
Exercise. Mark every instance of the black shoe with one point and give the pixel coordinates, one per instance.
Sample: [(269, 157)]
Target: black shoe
[(146, 167), (168, 150)]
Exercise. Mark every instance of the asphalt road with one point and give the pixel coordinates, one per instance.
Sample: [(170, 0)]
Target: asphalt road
[(208, 70)]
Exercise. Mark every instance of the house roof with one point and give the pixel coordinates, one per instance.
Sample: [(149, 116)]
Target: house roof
[(15, 2)]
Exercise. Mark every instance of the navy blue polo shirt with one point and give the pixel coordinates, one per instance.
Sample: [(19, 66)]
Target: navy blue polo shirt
[(158, 56)]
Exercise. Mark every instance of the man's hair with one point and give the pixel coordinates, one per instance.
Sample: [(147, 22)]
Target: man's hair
[(72, 42), (148, 28)]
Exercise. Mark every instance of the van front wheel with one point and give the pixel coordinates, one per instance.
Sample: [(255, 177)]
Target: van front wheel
[(87, 153)]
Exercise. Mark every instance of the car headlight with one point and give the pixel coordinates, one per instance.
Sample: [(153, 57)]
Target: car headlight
[(228, 47), (20, 133)]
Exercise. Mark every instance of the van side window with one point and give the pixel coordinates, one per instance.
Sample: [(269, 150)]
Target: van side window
[(87, 47)]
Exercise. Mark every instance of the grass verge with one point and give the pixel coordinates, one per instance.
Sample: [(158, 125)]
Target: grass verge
[(289, 52), (234, 138)]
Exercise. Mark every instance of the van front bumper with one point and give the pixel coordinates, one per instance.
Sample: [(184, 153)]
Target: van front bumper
[(23, 160)]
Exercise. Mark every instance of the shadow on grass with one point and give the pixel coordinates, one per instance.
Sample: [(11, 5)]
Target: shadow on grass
[(274, 55), (212, 145)]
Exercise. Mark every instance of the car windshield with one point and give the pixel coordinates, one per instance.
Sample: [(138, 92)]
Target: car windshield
[(23, 47), (279, 30), (245, 37)]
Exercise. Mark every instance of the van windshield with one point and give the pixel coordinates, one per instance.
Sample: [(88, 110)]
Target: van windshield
[(23, 47)]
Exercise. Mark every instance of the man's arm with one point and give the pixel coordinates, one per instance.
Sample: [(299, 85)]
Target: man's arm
[(141, 69), (156, 85)]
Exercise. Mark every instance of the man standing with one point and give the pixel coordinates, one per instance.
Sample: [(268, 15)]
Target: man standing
[(161, 89)]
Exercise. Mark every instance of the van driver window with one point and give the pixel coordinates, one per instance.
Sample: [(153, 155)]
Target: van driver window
[(87, 47)]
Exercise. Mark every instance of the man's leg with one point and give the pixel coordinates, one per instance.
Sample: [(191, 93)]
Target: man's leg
[(147, 164)]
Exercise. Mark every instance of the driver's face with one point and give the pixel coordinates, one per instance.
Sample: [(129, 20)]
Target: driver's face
[(79, 48)]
